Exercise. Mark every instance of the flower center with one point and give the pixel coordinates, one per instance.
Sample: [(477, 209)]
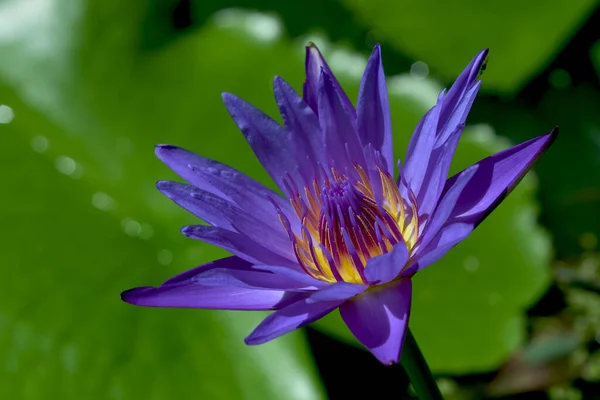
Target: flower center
[(343, 224)]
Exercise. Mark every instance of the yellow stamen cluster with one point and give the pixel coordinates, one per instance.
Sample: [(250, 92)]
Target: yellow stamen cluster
[(344, 225)]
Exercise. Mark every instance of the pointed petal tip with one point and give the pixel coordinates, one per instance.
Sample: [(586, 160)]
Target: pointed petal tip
[(191, 231), (480, 62), (131, 296), (552, 135), (375, 56), (279, 83), (258, 336), (231, 102), (312, 51), (163, 185), (251, 340), (547, 139), (229, 98), (164, 151), (165, 147), (125, 295)]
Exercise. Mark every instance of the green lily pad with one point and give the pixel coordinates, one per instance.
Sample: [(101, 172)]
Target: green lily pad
[(522, 37), (83, 219), (569, 173), (64, 333)]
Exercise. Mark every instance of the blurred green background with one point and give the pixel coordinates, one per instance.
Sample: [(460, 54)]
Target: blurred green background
[(87, 88)]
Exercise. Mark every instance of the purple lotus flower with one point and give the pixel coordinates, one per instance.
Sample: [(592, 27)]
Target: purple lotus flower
[(347, 233)]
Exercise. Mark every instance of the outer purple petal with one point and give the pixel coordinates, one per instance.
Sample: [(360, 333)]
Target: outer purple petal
[(290, 318), (204, 205), (252, 278), (181, 162), (296, 274), (315, 63), (186, 291), (384, 268), (496, 177), (379, 319), (481, 193), (303, 131), (436, 137), (227, 183), (337, 291), (463, 83), (341, 140), (241, 245), (373, 110), (266, 137), (446, 206), (224, 214)]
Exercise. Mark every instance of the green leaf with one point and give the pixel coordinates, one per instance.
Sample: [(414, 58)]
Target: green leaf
[(569, 172), (83, 220), (468, 312), (522, 37)]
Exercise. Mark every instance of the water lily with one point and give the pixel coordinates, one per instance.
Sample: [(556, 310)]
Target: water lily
[(353, 225)]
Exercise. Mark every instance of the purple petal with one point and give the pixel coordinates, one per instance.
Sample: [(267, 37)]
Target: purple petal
[(433, 144), (224, 214), (463, 83), (302, 128), (181, 162), (289, 318), (481, 192), (441, 157), (386, 267), (315, 63), (496, 177), (373, 110), (336, 292), (240, 245), (262, 206), (379, 319), (184, 291), (447, 238), (251, 278), (446, 206), (227, 183), (204, 205), (295, 273), (341, 140), (420, 147), (265, 136)]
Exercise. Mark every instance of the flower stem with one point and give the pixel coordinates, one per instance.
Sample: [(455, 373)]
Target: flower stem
[(416, 367)]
